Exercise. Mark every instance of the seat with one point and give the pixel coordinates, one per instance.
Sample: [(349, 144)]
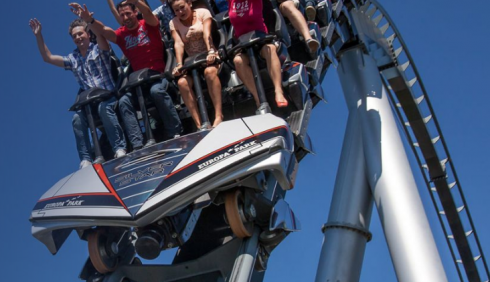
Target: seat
[(87, 100)]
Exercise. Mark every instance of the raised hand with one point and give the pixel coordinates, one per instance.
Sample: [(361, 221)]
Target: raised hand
[(35, 26), (81, 12)]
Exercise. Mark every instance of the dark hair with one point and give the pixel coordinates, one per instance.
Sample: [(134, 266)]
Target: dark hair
[(124, 4), (171, 2), (75, 23)]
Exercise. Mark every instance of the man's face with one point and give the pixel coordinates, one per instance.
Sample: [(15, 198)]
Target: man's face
[(129, 17), (80, 36)]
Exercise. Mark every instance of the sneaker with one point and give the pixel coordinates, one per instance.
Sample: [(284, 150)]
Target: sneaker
[(84, 164), (313, 45), (310, 12), (120, 153), (150, 143), (137, 148)]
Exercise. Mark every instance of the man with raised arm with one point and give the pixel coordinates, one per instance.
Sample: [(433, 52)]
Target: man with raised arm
[(141, 43), (91, 65)]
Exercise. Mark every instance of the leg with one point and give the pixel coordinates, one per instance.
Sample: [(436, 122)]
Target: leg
[(166, 109), (268, 52), (244, 72), (131, 124), (298, 21), (185, 88), (108, 115), (214, 89), (80, 128)]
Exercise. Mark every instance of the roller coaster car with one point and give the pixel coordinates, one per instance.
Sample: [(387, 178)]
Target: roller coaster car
[(174, 193), (156, 194)]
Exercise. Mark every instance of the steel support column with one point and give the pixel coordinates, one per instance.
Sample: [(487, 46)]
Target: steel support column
[(374, 165)]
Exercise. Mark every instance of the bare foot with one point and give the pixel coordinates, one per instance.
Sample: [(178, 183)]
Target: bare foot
[(281, 100), (217, 120)]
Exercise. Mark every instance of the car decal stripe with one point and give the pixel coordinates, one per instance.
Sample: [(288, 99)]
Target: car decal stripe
[(100, 172), (82, 200), (73, 195), (222, 148)]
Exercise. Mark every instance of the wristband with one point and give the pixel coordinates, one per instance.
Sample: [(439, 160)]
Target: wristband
[(211, 51), (92, 21)]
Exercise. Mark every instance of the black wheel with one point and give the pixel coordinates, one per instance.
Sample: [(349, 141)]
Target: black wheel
[(100, 252), (272, 238), (234, 206)]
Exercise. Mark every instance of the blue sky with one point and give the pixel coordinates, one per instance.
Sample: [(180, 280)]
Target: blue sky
[(447, 39)]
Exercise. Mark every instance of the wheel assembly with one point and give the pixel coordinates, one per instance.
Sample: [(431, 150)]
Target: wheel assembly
[(103, 258), (261, 260), (272, 238), (235, 212)]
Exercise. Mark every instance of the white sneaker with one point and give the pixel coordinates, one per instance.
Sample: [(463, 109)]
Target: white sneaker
[(120, 153), (84, 164)]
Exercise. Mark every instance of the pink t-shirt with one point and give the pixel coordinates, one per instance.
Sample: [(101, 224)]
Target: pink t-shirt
[(142, 46), (192, 36), (246, 16)]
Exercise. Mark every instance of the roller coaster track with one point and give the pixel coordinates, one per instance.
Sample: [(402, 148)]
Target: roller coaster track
[(372, 28)]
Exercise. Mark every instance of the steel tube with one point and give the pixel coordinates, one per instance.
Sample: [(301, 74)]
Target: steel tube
[(244, 262), (350, 213), (99, 158), (144, 113), (388, 174), (258, 81), (203, 112)]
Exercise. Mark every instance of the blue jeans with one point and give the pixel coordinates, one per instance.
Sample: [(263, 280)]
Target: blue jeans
[(128, 114), (166, 109), (80, 128), (108, 116)]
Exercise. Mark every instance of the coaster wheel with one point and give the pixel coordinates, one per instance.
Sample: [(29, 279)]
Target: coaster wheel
[(100, 252), (235, 212)]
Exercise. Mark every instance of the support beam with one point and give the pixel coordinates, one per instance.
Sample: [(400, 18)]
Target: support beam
[(386, 171)]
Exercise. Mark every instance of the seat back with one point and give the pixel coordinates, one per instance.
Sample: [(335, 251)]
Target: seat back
[(118, 73), (170, 59), (205, 4), (275, 23)]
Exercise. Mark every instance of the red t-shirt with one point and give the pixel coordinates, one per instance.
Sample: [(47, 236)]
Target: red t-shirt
[(142, 46), (246, 16)]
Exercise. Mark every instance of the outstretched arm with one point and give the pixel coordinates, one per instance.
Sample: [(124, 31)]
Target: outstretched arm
[(97, 27), (114, 11), (146, 12), (43, 49)]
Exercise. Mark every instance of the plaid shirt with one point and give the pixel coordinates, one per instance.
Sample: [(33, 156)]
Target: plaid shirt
[(94, 70), (165, 14)]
